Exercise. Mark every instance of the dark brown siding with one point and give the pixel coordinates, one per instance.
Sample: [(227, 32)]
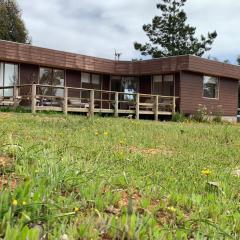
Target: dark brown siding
[(23, 53), (73, 79), (191, 85), (145, 84), (28, 73), (106, 86)]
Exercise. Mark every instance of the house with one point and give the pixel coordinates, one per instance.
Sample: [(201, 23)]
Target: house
[(45, 79)]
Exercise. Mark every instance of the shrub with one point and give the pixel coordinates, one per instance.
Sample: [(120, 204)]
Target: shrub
[(201, 115), (178, 117)]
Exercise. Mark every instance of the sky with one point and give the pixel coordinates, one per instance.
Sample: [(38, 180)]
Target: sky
[(97, 28)]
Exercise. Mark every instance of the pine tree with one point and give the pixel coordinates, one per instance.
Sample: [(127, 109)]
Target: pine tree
[(12, 27), (170, 35)]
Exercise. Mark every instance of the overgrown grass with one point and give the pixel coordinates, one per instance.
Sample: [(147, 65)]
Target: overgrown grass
[(105, 178)]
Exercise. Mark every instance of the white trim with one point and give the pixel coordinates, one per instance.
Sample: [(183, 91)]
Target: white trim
[(218, 88)]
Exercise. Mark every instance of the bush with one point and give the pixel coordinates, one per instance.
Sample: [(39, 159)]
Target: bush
[(201, 115), (178, 117), (218, 114)]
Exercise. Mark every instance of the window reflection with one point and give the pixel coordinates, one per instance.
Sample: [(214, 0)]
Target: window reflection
[(129, 86), (53, 77), (163, 85), (210, 87), (8, 77)]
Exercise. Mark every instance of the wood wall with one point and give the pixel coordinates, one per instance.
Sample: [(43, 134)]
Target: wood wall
[(191, 95), (22, 53)]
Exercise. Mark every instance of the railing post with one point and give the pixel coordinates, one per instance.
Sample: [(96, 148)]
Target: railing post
[(137, 106), (33, 98), (91, 107), (156, 108), (174, 106), (65, 104), (15, 96), (116, 105)]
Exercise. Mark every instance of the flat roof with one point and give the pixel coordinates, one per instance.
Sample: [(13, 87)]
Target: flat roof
[(24, 53)]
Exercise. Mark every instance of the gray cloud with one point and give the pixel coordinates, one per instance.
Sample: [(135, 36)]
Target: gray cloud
[(98, 27)]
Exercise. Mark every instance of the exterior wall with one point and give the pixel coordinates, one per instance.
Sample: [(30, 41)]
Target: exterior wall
[(191, 95), (28, 73), (145, 84), (73, 79)]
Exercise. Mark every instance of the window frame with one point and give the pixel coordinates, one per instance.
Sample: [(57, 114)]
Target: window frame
[(218, 88)]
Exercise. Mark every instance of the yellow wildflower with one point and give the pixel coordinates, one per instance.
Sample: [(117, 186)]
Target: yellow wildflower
[(24, 203), (96, 133), (206, 172), (14, 202), (76, 209), (172, 209), (105, 133)]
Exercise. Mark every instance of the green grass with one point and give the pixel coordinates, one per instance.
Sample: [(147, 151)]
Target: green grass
[(106, 178)]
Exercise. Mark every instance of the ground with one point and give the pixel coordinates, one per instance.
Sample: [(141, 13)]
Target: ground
[(104, 178)]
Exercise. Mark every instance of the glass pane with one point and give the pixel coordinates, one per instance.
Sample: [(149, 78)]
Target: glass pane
[(129, 86), (96, 79), (168, 85), (10, 78), (1, 79), (58, 80), (157, 84), (45, 79), (85, 77), (210, 87)]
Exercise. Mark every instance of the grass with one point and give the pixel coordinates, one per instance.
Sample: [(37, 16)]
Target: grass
[(105, 178)]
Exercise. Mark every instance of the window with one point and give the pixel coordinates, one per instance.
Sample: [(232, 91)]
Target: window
[(129, 86), (85, 77), (157, 84), (91, 81), (163, 85), (8, 77), (53, 77), (168, 85), (210, 87)]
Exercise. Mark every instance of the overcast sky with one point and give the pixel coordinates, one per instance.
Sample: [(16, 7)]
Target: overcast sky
[(95, 27)]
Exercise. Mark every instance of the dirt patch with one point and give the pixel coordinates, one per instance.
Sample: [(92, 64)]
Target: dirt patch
[(7, 179), (126, 197), (5, 161), (146, 151), (8, 182)]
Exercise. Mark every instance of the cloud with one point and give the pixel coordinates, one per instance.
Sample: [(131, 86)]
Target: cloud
[(98, 27)]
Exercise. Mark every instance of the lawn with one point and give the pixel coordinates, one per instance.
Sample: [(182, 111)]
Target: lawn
[(104, 178)]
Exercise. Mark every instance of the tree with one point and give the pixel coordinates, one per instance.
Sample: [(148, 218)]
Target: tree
[(12, 27), (238, 60), (170, 35)]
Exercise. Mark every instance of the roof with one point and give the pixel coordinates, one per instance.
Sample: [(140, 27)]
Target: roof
[(23, 53)]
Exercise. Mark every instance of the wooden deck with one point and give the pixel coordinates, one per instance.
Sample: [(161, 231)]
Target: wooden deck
[(89, 101)]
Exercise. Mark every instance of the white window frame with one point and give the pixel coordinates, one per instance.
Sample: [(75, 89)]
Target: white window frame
[(218, 87)]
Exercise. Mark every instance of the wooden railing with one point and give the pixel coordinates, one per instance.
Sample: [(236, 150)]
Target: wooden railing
[(69, 99)]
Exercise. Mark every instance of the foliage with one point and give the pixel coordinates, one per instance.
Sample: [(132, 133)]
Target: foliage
[(170, 35), (201, 115), (178, 117), (12, 27), (104, 178), (238, 60)]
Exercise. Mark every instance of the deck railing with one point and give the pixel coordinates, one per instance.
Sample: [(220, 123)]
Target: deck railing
[(70, 99)]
